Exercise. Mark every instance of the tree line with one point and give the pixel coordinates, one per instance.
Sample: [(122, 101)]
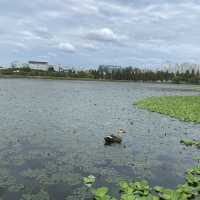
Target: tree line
[(136, 74), (128, 73)]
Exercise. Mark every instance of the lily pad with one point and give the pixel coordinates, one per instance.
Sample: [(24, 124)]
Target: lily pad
[(89, 181)]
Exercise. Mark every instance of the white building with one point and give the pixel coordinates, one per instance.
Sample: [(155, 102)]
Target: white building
[(42, 65), (182, 68)]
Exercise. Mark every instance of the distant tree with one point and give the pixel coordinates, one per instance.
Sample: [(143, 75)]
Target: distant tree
[(26, 68), (51, 69)]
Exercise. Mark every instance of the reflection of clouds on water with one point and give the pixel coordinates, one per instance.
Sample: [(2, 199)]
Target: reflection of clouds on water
[(52, 135)]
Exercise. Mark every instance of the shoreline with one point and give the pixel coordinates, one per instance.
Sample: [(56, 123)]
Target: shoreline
[(90, 79)]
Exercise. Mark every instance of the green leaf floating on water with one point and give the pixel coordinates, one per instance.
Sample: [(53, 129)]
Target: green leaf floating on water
[(127, 197), (192, 180), (101, 194), (186, 191), (89, 181), (137, 188), (197, 144), (195, 170), (183, 192), (125, 187), (186, 142), (141, 188)]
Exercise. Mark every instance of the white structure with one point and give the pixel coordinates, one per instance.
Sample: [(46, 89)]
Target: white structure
[(109, 68), (38, 65), (182, 68)]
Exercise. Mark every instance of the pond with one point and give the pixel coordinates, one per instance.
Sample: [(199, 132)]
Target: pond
[(51, 136)]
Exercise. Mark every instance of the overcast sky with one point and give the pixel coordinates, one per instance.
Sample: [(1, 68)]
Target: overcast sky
[(93, 32)]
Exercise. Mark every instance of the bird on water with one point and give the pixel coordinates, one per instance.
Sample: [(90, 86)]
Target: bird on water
[(109, 139)]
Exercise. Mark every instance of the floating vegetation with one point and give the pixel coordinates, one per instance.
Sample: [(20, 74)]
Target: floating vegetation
[(102, 194), (185, 108), (16, 188), (9, 182), (197, 144), (187, 142), (89, 181), (42, 195), (195, 158), (43, 177), (141, 190)]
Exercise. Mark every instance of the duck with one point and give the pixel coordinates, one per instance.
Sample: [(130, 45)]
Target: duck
[(109, 139)]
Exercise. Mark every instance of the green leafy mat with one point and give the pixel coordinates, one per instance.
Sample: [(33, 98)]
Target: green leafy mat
[(185, 108)]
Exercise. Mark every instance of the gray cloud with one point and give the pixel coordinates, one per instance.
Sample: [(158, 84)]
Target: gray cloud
[(66, 47), (89, 46), (103, 35), (92, 32)]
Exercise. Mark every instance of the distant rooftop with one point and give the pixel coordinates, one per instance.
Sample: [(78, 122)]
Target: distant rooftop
[(38, 62)]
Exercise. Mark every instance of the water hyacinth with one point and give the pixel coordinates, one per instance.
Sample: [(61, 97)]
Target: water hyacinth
[(185, 108), (140, 190), (89, 181), (102, 194), (188, 142)]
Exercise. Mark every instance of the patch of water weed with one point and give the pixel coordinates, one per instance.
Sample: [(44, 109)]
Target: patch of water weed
[(69, 178), (39, 175), (196, 158), (8, 182), (141, 190), (44, 177), (186, 108), (188, 142), (41, 195), (102, 194), (89, 181)]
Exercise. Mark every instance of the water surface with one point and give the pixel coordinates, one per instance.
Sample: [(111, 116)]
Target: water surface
[(51, 135)]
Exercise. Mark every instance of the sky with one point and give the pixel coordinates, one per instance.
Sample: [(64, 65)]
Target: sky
[(93, 32)]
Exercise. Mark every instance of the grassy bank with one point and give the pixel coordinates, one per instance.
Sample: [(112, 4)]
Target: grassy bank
[(185, 108)]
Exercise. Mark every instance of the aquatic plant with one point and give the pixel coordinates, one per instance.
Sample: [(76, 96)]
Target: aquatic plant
[(192, 180), (102, 194), (183, 192), (185, 108), (197, 144), (186, 142), (41, 195), (140, 190), (195, 170), (89, 181)]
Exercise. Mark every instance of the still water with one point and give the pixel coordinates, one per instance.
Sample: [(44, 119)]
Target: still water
[(51, 136)]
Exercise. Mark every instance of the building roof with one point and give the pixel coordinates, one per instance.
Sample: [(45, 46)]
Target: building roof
[(38, 62)]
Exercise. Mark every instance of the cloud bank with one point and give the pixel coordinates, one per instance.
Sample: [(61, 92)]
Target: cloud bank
[(92, 32)]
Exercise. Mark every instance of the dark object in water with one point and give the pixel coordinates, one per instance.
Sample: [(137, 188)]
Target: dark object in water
[(114, 138)]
